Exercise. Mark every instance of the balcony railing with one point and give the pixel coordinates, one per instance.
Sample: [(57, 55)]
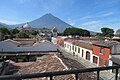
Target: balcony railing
[(57, 73)]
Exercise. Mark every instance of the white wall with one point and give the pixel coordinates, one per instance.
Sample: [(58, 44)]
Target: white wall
[(76, 52)]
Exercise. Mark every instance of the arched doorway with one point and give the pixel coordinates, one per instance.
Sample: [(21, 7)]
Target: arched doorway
[(87, 55)]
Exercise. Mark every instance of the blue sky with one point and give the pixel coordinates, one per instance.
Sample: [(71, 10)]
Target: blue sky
[(87, 14)]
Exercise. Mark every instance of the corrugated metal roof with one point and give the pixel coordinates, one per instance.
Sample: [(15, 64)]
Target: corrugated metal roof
[(115, 49), (115, 59), (43, 46), (105, 43)]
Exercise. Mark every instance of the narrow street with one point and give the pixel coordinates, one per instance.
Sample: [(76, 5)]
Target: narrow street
[(86, 64), (74, 65)]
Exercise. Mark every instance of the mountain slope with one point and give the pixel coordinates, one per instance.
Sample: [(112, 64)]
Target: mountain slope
[(93, 33), (4, 25), (49, 21), (1, 25)]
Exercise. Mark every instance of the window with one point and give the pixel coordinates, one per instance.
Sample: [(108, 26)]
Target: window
[(75, 48), (102, 50), (87, 55), (101, 62), (82, 53), (78, 50), (68, 46), (95, 59), (18, 45), (72, 47), (65, 45)]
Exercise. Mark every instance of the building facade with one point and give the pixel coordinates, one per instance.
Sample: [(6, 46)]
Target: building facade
[(80, 49), (102, 54), (41, 31), (98, 53)]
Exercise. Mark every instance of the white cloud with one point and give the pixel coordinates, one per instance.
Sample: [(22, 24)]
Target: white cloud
[(86, 17), (91, 23), (72, 24), (107, 14), (70, 21), (8, 22)]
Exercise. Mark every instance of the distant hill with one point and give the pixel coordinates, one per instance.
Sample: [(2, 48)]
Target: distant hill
[(48, 21), (118, 32), (4, 25), (93, 33), (1, 25)]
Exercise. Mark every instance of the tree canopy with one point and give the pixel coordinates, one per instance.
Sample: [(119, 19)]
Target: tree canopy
[(76, 31), (4, 31), (107, 32), (22, 35), (15, 31), (33, 32)]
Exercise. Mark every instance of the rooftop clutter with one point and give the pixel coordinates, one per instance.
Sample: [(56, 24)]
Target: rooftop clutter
[(7, 46)]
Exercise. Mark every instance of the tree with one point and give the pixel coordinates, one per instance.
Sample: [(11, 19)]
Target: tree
[(33, 32), (60, 34), (4, 31), (15, 31), (98, 34), (76, 31), (22, 35), (107, 32)]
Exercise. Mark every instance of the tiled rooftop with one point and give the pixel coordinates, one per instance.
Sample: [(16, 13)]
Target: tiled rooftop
[(71, 41), (84, 45), (23, 39), (106, 43), (44, 64)]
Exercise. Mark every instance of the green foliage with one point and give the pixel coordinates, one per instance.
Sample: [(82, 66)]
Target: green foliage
[(99, 34), (4, 31), (15, 31), (22, 35), (107, 32), (32, 58), (1, 58), (33, 32), (26, 58), (118, 35), (60, 34), (76, 31)]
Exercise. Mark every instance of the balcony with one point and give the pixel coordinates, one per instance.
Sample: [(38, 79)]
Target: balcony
[(58, 73)]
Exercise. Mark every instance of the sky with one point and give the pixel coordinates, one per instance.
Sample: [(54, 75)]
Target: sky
[(87, 14)]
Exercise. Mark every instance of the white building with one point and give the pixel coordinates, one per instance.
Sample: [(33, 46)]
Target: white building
[(41, 31), (80, 49)]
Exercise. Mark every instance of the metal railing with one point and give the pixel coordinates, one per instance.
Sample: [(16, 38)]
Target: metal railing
[(56, 73)]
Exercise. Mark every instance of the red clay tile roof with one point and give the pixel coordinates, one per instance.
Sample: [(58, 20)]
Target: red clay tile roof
[(71, 41), (25, 39), (84, 45), (44, 64), (106, 43), (23, 64)]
